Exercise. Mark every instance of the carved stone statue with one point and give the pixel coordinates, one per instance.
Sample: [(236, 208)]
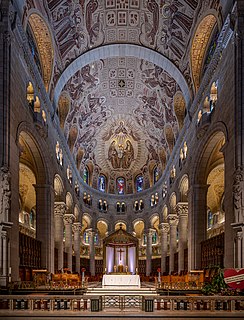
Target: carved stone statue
[(5, 193), (238, 195)]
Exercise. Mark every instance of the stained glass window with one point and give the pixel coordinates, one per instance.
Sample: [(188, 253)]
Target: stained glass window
[(144, 239), (210, 219), (154, 237), (96, 239), (86, 175), (121, 185), (86, 237), (155, 174), (101, 183), (139, 183)]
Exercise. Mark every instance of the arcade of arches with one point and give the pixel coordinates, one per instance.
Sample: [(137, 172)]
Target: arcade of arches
[(121, 115)]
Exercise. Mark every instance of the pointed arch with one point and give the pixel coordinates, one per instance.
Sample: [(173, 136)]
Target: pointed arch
[(63, 108), (42, 37), (200, 43), (73, 133), (180, 108), (169, 137)]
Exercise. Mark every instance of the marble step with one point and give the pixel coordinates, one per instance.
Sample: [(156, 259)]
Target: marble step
[(121, 291)]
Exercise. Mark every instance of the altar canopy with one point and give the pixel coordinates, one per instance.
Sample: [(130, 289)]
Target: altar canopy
[(120, 253)]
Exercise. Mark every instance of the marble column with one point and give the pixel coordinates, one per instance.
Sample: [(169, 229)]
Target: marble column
[(68, 221), (173, 222), (182, 212), (77, 231), (92, 251), (239, 242), (59, 211), (3, 258), (164, 229), (197, 224), (45, 224), (238, 147), (149, 252)]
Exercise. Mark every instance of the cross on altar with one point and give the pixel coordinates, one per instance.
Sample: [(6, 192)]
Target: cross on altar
[(120, 251)]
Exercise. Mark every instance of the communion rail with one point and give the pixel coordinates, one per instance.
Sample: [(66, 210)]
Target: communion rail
[(13, 303)]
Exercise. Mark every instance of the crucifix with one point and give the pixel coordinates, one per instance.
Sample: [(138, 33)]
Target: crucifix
[(120, 251)]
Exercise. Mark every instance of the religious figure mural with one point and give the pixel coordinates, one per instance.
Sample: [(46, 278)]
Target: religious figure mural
[(120, 151), (121, 156)]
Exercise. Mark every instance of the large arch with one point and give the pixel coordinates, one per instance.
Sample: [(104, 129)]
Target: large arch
[(32, 158), (44, 44), (209, 156), (200, 43), (125, 50)]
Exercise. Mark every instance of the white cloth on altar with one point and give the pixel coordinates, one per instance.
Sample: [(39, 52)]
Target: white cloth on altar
[(113, 280)]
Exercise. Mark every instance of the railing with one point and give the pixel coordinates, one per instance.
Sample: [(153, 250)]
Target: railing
[(118, 302)]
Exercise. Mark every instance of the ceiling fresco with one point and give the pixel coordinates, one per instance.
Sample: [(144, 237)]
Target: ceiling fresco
[(122, 114), (81, 25), (123, 105)]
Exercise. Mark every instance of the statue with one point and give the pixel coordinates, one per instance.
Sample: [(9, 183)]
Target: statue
[(5, 193), (164, 191), (237, 195)]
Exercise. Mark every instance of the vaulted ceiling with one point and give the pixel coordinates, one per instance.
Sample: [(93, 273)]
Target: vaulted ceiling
[(123, 76)]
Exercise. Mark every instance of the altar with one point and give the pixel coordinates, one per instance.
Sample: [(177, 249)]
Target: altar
[(117, 280), (120, 251)]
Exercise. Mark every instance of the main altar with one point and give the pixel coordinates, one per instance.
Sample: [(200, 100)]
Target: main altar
[(120, 251)]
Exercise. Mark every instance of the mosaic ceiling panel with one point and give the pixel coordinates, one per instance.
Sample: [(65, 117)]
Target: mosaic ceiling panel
[(118, 113), (80, 25), (122, 105)]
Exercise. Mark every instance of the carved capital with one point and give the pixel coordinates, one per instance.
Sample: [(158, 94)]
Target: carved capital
[(59, 209), (239, 235), (68, 218), (76, 227), (164, 227), (150, 231), (182, 209), (173, 220), (91, 232)]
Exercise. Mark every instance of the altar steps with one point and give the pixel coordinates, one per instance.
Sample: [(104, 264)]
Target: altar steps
[(125, 291)]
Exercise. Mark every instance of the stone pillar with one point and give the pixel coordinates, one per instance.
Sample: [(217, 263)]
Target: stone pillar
[(238, 174), (164, 228), (45, 224), (238, 225), (5, 195), (3, 258), (173, 222), (182, 212), (77, 231), (197, 224), (149, 252), (5, 88), (239, 238), (92, 251), (68, 221), (59, 211)]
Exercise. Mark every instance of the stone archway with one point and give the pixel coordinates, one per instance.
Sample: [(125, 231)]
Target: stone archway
[(209, 158), (33, 162)]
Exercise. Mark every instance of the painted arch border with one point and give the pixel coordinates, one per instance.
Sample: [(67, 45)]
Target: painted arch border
[(126, 50)]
